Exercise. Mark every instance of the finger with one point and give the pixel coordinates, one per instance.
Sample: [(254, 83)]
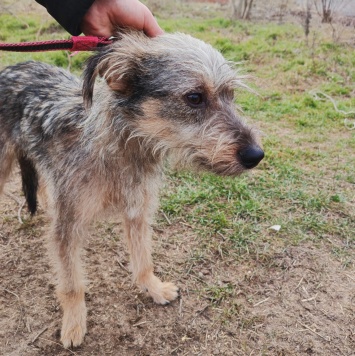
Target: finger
[(151, 27)]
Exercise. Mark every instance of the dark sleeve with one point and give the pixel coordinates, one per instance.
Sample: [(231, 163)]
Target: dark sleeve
[(68, 13)]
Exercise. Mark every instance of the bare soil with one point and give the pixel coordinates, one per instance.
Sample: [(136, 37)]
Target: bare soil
[(293, 301)]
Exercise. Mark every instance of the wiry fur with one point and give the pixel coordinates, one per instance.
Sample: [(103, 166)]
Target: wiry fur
[(94, 148)]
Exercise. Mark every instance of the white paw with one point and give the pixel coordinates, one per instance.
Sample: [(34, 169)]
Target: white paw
[(74, 326), (161, 292)]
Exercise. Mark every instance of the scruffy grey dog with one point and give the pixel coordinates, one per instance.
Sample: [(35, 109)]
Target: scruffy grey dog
[(93, 150)]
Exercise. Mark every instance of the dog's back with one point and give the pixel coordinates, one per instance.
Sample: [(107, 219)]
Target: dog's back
[(30, 93)]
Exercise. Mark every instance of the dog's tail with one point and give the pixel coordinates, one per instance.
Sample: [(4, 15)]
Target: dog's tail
[(29, 181)]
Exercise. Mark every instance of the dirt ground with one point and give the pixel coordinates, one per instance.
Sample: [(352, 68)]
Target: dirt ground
[(295, 301), (298, 300)]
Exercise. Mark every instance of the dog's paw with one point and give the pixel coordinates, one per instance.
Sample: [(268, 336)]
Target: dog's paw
[(164, 293), (73, 337), (74, 327)]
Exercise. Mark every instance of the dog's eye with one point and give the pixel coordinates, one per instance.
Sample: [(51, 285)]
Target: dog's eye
[(194, 99)]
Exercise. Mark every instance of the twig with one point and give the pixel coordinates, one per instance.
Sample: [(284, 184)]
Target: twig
[(313, 331), (38, 335), (13, 197), (349, 124), (39, 31), (118, 261), (166, 218), (220, 234), (145, 336), (309, 299), (69, 55), (57, 343), (138, 324), (353, 279), (315, 95), (19, 304), (9, 291), (19, 212), (19, 202), (299, 283), (199, 313), (122, 266), (180, 307), (261, 302)]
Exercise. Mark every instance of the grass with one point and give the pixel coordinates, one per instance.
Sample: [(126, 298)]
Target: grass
[(33, 28), (306, 181)]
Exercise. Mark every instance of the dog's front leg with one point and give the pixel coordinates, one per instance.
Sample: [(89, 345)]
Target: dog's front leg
[(65, 246), (138, 235)]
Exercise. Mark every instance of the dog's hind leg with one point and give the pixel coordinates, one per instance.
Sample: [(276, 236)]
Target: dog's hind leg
[(65, 248), (7, 158)]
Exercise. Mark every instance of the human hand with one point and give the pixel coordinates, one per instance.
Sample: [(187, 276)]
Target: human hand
[(105, 15)]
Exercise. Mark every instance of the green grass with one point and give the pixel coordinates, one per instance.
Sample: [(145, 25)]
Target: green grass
[(306, 181), (33, 28), (305, 184)]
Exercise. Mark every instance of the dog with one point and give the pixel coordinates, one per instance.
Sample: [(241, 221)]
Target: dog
[(98, 144)]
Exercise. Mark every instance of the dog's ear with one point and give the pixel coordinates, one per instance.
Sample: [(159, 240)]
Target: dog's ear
[(115, 66), (91, 71)]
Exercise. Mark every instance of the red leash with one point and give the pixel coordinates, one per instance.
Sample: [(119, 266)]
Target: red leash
[(76, 43)]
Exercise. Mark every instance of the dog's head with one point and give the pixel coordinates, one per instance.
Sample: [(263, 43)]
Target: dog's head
[(178, 94)]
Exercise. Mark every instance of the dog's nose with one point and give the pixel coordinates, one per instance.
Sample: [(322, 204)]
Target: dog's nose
[(250, 156)]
